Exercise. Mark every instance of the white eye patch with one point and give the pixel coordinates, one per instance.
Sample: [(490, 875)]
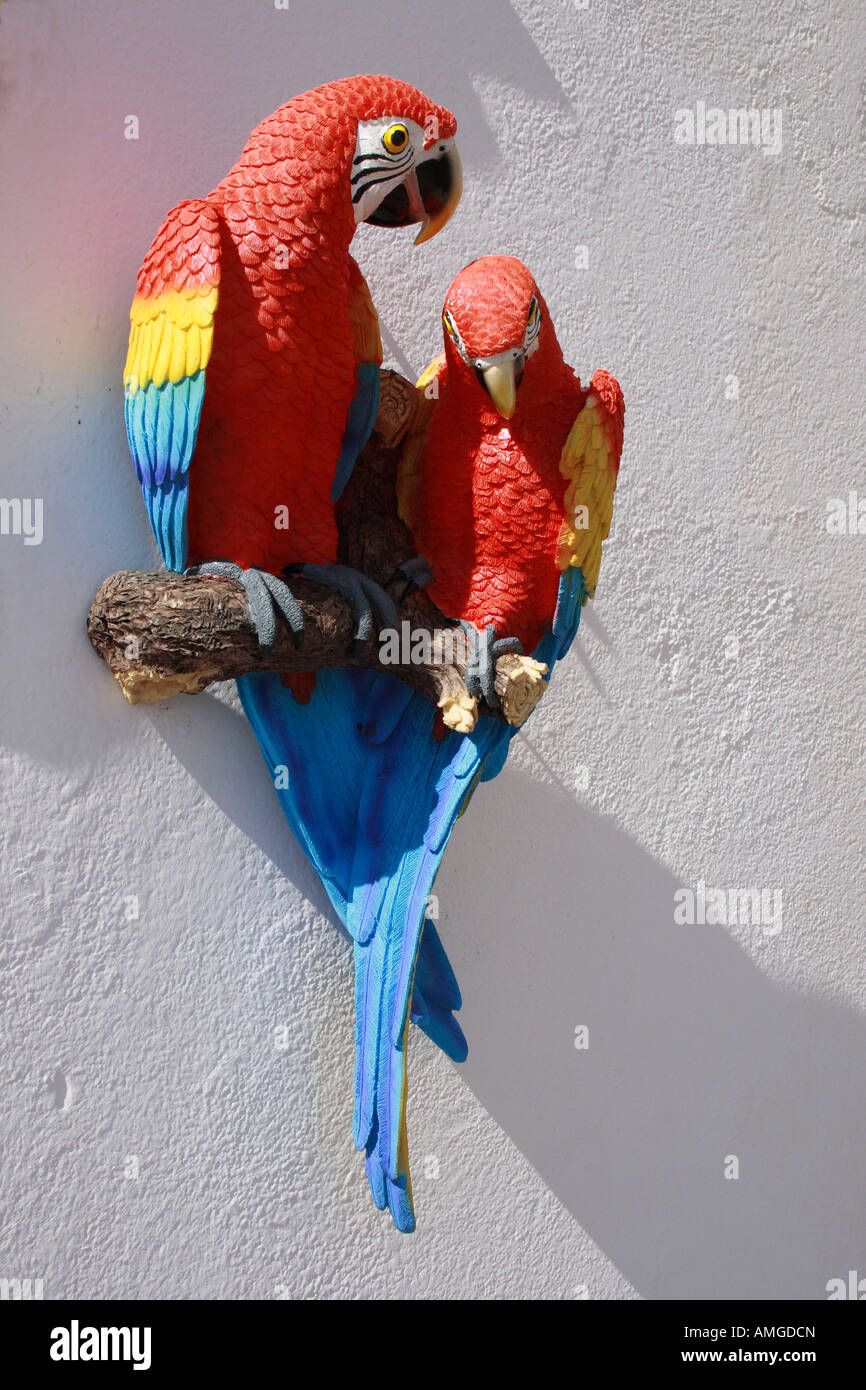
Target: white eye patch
[(385, 152)]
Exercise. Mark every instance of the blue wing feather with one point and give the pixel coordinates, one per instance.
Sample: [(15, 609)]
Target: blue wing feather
[(413, 793), (161, 425), (571, 596), (373, 797), (362, 417)]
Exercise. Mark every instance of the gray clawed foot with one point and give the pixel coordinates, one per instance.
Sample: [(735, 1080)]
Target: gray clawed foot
[(417, 572), (363, 593), (265, 595), (481, 670)]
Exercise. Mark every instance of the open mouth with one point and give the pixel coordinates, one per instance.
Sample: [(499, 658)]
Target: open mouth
[(429, 194)]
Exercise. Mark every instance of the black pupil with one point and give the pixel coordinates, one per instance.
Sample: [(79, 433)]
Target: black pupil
[(398, 138)]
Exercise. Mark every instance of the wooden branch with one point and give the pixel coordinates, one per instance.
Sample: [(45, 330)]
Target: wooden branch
[(163, 633)]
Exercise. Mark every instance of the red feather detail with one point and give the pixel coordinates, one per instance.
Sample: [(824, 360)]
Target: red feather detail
[(609, 391), (489, 301), (301, 683), (440, 728), (185, 252)]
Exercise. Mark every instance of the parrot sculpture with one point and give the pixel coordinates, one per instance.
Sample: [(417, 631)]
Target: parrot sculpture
[(507, 481), (251, 384), (251, 380)]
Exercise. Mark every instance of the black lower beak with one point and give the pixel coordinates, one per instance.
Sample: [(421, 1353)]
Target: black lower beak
[(439, 185), (393, 211)]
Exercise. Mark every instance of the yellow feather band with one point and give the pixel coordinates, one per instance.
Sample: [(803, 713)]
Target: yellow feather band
[(365, 325), (587, 462), (171, 336)]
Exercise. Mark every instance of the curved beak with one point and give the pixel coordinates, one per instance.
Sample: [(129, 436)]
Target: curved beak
[(500, 377), (429, 194), (440, 181)]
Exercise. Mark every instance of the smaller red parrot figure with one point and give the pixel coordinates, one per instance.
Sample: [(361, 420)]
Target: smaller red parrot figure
[(507, 482), (513, 538)]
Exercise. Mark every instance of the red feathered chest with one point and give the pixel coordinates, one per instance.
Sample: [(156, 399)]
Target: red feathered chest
[(279, 384), (491, 507)]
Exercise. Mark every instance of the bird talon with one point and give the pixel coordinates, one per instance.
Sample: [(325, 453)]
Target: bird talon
[(417, 572), (265, 594), (363, 594), (485, 647)]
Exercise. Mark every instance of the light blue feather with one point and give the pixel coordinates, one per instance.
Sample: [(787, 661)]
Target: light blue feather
[(161, 425)]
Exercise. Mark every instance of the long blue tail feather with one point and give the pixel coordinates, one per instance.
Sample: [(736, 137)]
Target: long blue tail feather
[(373, 796), (326, 756)]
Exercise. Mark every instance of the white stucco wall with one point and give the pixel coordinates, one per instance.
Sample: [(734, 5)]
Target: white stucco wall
[(709, 725)]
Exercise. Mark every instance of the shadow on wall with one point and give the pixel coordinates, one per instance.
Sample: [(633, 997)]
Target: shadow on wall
[(420, 48), (238, 782), (693, 1056)]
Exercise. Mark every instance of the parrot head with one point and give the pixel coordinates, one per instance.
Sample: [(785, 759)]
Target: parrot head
[(496, 323), (406, 168), (363, 149)]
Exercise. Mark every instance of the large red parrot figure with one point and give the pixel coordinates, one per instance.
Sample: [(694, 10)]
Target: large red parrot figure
[(252, 374), (251, 385)]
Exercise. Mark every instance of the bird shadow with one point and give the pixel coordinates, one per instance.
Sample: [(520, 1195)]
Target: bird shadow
[(237, 781), (695, 1058)]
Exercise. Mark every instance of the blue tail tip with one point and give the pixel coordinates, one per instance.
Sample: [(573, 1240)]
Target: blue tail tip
[(391, 1194)]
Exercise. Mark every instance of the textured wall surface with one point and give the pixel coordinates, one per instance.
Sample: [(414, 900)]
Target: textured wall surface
[(177, 1017)]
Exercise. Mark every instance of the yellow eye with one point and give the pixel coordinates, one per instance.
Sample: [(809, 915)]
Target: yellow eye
[(534, 313), (449, 325), (396, 138)]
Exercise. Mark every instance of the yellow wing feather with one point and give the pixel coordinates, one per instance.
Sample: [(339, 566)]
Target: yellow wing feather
[(590, 462), (171, 335), (364, 319), (172, 314)]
